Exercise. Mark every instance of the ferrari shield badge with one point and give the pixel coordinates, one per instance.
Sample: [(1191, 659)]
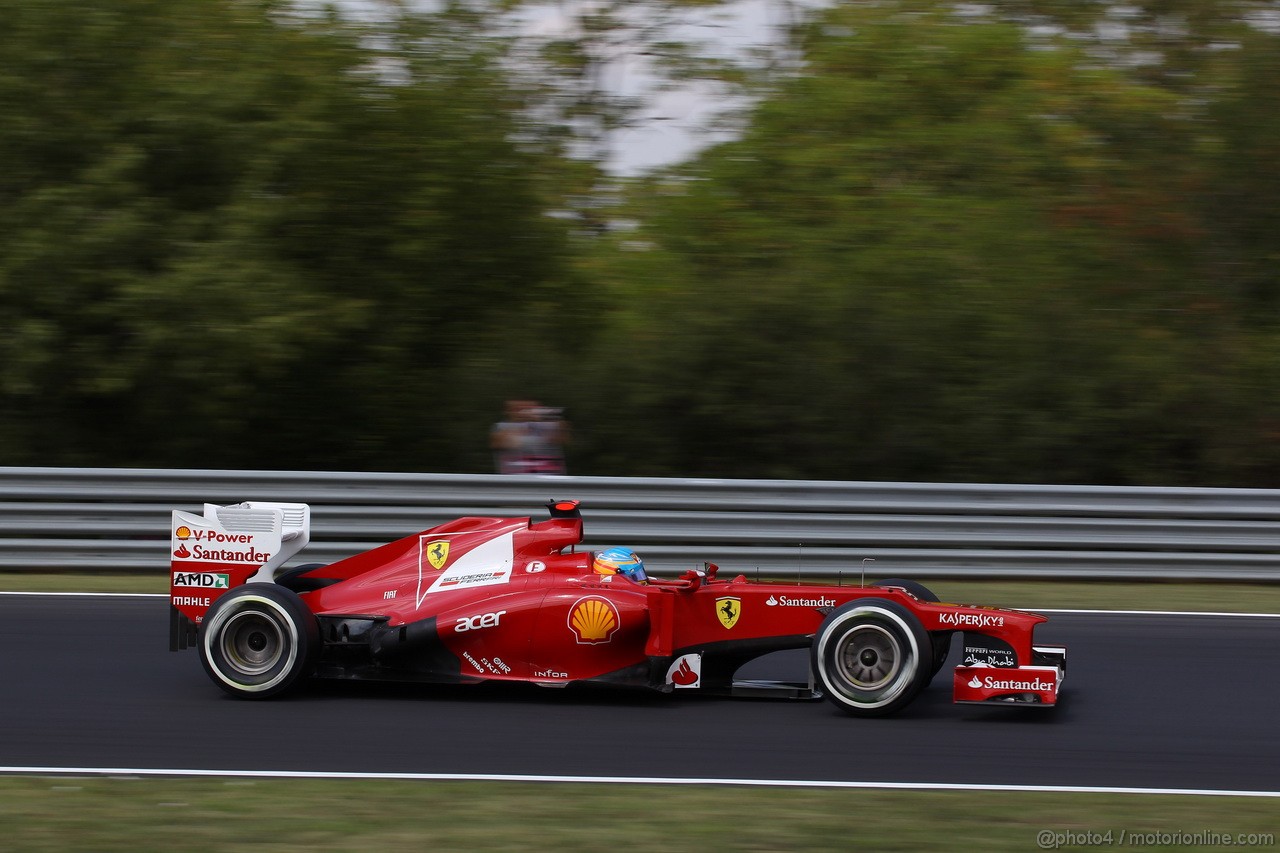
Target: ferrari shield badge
[(437, 553), (728, 609)]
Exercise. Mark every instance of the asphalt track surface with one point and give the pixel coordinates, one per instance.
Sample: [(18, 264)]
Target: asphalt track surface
[(1150, 701)]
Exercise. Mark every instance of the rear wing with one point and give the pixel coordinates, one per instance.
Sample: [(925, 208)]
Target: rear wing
[(225, 547)]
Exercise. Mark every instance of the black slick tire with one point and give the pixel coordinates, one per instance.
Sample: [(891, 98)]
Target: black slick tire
[(872, 657), (258, 640), (941, 639)]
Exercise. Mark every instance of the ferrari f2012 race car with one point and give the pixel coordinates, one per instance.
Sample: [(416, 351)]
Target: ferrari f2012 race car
[(509, 599)]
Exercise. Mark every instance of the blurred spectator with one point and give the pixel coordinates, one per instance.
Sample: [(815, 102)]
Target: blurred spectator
[(530, 440)]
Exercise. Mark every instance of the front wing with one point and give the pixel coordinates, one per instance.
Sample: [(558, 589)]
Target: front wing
[(1036, 685)]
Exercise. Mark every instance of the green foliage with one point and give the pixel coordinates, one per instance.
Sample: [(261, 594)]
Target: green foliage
[(1033, 241), (122, 813), (939, 254), (234, 235)]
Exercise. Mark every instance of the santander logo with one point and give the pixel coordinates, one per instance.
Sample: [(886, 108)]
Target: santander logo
[(686, 671), (684, 674), (793, 601), (991, 683)]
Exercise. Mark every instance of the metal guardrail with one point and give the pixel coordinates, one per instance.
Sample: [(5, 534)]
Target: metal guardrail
[(117, 520)]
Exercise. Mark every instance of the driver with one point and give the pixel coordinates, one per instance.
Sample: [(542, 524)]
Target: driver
[(620, 561)]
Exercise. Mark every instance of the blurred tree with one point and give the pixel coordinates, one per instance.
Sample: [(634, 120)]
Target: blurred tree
[(1028, 241), (240, 234), (594, 71), (941, 251), (1243, 198)]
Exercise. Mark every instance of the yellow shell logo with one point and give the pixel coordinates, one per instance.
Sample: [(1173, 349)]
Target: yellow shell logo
[(183, 532), (593, 620)]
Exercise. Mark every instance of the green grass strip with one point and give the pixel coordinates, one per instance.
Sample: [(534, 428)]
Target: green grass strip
[(110, 814)]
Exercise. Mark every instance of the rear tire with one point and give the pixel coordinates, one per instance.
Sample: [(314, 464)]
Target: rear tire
[(871, 657), (941, 639), (258, 640)]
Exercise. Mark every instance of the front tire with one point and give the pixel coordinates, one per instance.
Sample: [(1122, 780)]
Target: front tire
[(872, 657), (258, 640), (941, 639)]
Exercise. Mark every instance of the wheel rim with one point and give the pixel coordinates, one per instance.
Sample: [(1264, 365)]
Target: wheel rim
[(869, 658), (253, 642)]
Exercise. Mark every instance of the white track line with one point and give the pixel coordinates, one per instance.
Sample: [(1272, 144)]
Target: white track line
[(623, 780), (1149, 612)]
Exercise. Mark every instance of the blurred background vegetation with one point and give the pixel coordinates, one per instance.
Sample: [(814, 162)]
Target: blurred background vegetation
[(1025, 241)]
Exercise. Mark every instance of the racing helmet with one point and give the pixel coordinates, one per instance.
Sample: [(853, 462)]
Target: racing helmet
[(620, 561)]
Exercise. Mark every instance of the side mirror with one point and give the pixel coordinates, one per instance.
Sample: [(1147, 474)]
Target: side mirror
[(694, 578)]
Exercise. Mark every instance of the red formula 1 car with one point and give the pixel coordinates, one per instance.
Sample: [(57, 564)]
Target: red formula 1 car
[(508, 599)]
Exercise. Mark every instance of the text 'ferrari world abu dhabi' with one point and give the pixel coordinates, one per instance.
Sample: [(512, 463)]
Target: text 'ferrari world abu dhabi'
[(508, 599)]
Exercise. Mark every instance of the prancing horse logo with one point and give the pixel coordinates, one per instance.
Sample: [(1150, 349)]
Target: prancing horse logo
[(437, 553), (728, 609)]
